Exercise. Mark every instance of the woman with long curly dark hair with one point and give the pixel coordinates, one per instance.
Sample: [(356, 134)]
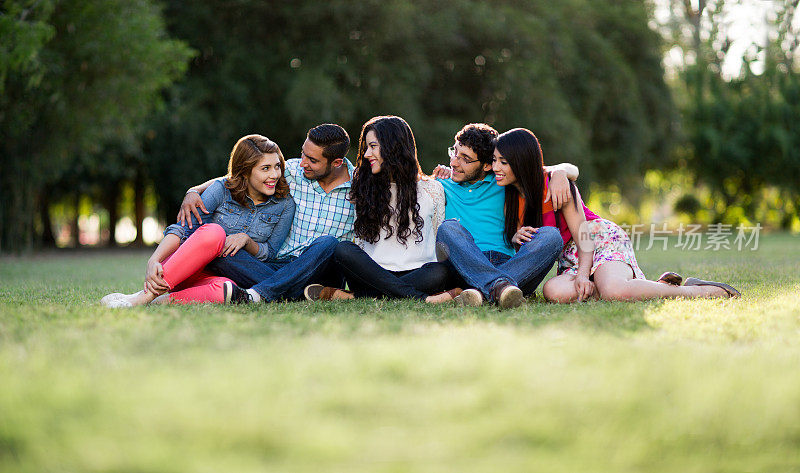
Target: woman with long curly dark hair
[(398, 210)]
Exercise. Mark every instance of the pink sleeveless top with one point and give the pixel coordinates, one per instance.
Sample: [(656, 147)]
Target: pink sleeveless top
[(549, 216)]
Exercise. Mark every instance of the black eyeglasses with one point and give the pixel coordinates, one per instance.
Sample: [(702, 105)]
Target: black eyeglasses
[(451, 151)]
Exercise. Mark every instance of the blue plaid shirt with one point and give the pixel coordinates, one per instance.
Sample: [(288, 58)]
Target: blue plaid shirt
[(317, 213)]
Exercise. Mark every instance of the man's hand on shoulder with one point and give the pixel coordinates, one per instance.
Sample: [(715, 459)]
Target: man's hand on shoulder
[(558, 189), (442, 172), (191, 202)]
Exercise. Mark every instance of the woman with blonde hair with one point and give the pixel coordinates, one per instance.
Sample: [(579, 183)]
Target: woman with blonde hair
[(249, 209)]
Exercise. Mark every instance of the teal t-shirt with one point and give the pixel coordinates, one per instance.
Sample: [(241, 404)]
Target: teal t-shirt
[(480, 209)]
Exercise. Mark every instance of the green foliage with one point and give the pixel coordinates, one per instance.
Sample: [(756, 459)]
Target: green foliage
[(363, 386), (743, 132), (586, 76), (80, 74)]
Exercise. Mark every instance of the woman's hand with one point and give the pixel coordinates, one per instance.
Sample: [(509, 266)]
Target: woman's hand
[(191, 202), (234, 243), (584, 287), (558, 189), (523, 235), (154, 279)]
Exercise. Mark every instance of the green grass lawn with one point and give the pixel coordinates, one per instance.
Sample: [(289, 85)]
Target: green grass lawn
[(680, 385)]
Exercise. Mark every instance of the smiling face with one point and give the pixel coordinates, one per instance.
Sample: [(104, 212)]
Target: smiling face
[(315, 165), (264, 177), (466, 165), (373, 152), (502, 170)]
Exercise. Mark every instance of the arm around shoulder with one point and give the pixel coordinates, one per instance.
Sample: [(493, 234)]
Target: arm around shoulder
[(569, 169)]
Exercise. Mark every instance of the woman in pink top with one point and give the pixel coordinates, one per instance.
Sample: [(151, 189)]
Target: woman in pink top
[(598, 259)]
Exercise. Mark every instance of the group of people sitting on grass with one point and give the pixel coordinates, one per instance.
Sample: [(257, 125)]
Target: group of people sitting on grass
[(485, 229)]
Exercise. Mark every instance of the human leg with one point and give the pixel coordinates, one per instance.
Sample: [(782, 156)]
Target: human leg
[(242, 268), (615, 282), (292, 276), (456, 245), (367, 278), (534, 259), (560, 289), (203, 286), (432, 278), (186, 262)]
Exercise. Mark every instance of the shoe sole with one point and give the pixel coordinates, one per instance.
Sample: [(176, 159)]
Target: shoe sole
[(227, 292), (732, 291), (469, 298), (309, 288), (511, 298)]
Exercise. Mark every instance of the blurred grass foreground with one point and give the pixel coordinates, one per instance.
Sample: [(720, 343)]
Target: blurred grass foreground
[(398, 386)]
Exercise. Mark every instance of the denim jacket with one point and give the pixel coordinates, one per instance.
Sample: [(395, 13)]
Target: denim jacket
[(267, 224)]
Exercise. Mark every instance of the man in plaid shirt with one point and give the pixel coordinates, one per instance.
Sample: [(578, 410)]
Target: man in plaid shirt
[(319, 182)]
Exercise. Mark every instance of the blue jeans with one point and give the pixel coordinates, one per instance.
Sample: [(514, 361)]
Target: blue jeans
[(485, 269), (282, 279)]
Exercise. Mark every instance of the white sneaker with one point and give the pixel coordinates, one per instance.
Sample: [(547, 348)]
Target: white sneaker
[(111, 297)]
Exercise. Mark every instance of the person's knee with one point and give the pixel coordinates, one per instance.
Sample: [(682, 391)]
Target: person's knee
[(211, 235), (344, 249), (559, 291), (326, 242), (450, 232), (448, 229), (550, 237)]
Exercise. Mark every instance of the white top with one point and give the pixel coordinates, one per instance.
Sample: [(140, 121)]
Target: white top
[(395, 256)]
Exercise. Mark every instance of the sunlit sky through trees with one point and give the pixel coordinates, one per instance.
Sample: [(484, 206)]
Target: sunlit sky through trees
[(746, 24)]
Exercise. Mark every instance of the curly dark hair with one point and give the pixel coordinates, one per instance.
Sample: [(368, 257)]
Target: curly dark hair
[(332, 138), (371, 194), (480, 138)]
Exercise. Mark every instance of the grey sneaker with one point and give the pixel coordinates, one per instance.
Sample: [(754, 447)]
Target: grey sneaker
[(507, 295), (469, 297), (234, 294)]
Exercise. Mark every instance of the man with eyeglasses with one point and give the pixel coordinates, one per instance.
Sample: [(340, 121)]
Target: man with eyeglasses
[(472, 236)]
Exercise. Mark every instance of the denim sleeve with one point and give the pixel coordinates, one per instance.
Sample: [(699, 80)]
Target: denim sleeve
[(269, 249), (212, 198)]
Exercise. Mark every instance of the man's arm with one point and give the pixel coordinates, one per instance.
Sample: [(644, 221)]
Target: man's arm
[(192, 201), (559, 187), (569, 169)]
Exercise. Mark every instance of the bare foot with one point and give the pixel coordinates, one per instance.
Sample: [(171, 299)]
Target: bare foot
[(443, 297), (708, 291)]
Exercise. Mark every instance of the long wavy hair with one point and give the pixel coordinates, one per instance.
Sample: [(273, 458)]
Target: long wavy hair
[(371, 194), (520, 148), (246, 153)]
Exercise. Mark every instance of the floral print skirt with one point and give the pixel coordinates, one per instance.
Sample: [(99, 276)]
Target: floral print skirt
[(611, 243)]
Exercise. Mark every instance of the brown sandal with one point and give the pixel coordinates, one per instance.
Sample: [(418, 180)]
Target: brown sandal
[(673, 279), (318, 292), (732, 292)]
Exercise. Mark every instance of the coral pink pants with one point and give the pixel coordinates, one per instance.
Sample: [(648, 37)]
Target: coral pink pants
[(184, 272)]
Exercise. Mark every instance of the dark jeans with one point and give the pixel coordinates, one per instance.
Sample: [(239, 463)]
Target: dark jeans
[(483, 270), (283, 279), (366, 278)]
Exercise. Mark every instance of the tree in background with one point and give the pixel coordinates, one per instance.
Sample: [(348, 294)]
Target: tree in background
[(742, 132), (75, 75), (585, 75)]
